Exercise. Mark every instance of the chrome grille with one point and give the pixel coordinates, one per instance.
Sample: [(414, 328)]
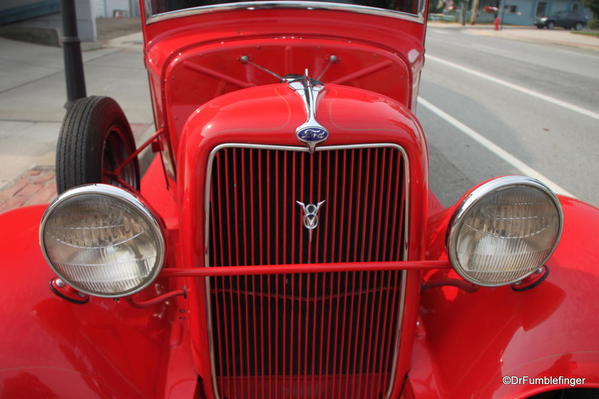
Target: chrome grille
[(317, 335)]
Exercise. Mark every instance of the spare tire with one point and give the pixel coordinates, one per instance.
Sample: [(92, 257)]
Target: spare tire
[(94, 140)]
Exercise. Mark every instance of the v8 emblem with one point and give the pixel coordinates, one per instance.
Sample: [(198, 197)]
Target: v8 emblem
[(310, 213)]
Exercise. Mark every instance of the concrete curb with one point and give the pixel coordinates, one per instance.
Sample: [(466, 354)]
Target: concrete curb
[(525, 34), (568, 42), (38, 35)]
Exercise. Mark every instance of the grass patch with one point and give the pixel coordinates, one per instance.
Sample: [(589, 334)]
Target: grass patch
[(596, 34)]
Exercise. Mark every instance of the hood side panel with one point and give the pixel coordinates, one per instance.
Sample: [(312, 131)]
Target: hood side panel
[(204, 72)]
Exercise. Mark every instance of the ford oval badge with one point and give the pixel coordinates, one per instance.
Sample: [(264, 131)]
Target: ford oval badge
[(312, 134)]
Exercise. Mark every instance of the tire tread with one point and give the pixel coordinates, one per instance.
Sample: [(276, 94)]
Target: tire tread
[(80, 136)]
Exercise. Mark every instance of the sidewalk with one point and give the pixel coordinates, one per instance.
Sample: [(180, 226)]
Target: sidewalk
[(529, 34), (32, 98)]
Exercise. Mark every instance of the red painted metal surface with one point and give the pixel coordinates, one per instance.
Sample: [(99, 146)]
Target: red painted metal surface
[(156, 300), (186, 52), (50, 347), (467, 342), (204, 71), (305, 268), (373, 53), (452, 344), (194, 59), (349, 114)]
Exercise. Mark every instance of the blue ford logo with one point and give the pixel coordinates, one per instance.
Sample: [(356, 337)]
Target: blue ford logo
[(312, 134)]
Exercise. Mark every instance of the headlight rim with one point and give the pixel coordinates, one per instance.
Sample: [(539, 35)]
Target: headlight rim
[(130, 199), (476, 195)]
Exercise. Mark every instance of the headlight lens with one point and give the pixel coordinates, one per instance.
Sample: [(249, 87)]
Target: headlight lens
[(102, 241), (504, 231)]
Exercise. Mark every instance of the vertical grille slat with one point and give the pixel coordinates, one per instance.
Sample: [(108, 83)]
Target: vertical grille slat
[(314, 335)]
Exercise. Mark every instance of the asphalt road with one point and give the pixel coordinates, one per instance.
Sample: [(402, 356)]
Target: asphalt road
[(493, 107)]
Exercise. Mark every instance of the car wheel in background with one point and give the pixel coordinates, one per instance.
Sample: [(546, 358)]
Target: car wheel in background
[(578, 26), (550, 25), (94, 140)]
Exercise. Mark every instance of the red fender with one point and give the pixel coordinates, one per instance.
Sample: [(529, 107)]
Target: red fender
[(52, 348), (466, 343)]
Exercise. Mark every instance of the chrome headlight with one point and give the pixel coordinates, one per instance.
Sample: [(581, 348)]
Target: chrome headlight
[(102, 241), (504, 230)]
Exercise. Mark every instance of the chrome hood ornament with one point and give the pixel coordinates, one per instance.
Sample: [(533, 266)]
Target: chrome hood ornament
[(310, 132), (310, 212)]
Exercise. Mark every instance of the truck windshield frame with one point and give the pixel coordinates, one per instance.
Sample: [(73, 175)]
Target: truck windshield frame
[(156, 14)]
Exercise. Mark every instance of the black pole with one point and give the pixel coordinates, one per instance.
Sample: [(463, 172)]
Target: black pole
[(73, 63)]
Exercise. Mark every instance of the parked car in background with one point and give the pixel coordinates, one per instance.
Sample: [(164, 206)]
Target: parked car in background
[(565, 19)]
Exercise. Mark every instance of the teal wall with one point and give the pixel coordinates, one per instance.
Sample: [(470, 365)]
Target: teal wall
[(13, 11), (525, 12)]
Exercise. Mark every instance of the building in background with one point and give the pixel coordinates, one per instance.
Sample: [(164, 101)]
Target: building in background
[(115, 8), (515, 12), (19, 10), (524, 12), (40, 20)]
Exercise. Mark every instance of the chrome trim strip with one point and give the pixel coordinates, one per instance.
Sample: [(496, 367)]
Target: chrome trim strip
[(121, 195), (304, 149), (307, 5), (473, 198)]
